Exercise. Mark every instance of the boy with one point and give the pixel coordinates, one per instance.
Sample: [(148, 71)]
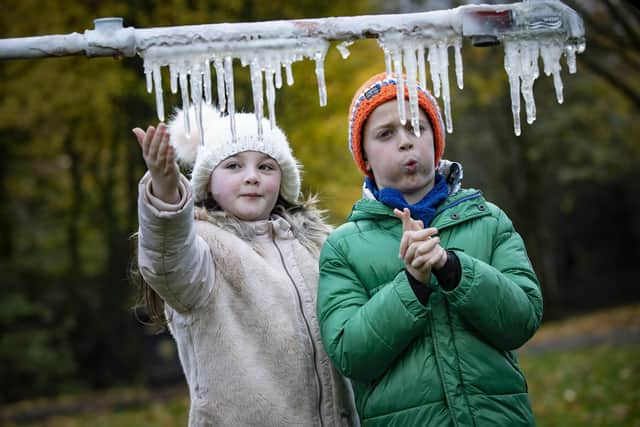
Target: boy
[(425, 292)]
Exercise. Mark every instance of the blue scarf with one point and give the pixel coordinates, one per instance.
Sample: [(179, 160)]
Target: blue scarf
[(424, 210)]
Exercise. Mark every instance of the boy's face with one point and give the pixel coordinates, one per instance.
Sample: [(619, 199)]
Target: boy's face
[(247, 185), (397, 158)]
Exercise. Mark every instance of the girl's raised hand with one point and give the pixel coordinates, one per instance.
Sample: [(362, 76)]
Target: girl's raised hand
[(159, 157)]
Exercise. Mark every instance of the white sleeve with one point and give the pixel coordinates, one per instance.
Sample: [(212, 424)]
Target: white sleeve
[(173, 259)]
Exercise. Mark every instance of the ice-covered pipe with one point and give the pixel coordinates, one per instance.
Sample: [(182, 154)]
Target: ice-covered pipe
[(110, 38), (529, 30)]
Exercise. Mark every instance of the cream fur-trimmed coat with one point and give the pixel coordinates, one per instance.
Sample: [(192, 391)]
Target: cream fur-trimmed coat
[(243, 313)]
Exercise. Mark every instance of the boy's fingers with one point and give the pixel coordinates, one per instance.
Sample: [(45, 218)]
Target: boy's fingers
[(419, 248), (404, 244)]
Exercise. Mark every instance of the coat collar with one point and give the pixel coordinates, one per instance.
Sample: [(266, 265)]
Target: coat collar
[(462, 206)]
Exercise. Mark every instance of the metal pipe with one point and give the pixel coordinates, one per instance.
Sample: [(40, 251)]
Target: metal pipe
[(485, 23)]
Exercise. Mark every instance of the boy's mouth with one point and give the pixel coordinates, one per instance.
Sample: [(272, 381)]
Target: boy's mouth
[(411, 165)]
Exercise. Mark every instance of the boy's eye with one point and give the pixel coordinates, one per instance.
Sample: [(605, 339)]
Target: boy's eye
[(385, 133), (421, 127)]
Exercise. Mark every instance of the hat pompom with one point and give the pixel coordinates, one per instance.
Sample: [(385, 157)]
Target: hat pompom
[(187, 143)]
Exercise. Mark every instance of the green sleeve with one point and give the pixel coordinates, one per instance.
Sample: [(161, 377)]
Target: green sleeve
[(500, 299), (363, 334)]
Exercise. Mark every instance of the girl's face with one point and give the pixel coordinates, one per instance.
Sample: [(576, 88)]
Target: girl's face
[(247, 185), (397, 158)]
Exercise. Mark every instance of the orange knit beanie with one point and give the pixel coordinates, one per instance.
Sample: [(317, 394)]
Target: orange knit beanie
[(376, 91)]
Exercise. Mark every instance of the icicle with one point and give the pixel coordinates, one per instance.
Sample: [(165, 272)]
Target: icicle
[(207, 82), (322, 87), (228, 79), (220, 80), (157, 83), (387, 62), (271, 96), (277, 69), (443, 63), (422, 71), (173, 78), (457, 46), (196, 98), (529, 73), (343, 48), (512, 67), (258, 93), (434, 69), (551, 53), (570, 51), (184, 88), (410, 66), (289, 72), (396, 55), (149, 79)]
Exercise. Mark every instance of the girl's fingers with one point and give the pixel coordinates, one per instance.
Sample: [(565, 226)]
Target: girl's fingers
[(139, 134), (158, 137), (162, 148), (170, 159)]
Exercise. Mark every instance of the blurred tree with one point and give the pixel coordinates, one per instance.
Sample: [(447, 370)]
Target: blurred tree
[(69, 176), (69, 169), (613, 37)]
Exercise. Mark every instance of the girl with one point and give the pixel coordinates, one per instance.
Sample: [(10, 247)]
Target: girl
[(233, 256)]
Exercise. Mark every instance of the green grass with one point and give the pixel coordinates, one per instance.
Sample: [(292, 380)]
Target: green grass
[(593, 387), (169, 413), (590, 387)]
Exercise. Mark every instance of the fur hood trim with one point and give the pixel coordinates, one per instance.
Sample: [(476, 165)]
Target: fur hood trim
[(308, 223)]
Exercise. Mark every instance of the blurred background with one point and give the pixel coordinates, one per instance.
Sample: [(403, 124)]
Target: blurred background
[(75, 351)]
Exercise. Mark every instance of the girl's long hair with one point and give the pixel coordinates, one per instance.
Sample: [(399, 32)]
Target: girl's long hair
[(151, 305)]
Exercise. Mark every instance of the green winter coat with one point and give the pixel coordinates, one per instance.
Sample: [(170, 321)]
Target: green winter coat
[(451, 362)]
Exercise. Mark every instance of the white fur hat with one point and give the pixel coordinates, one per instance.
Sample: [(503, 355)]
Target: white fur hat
[(218, 145)]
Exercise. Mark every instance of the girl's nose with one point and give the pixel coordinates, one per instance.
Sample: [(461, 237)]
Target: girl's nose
[(251, 175)]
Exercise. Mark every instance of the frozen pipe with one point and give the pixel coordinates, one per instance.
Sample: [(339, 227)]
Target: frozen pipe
[(484, 24)]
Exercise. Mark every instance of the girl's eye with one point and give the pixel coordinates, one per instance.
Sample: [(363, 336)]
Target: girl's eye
[(232, 165), (267, 166)]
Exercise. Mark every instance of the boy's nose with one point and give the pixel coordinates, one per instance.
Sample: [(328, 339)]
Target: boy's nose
[(405, 142)]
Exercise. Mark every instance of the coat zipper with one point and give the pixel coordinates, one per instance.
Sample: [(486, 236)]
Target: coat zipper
[(436, 350), (306, 323)]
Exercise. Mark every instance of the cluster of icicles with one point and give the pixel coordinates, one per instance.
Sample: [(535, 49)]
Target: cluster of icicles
[(190, 70)]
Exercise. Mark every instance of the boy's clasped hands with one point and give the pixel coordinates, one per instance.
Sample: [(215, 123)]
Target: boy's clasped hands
[(419, 247)]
